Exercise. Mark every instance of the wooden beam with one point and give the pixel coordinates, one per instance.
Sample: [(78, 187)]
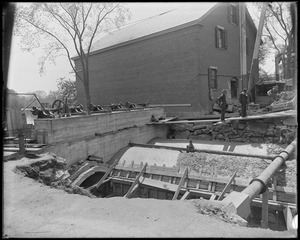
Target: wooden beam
[(265, 210), (213, 197), (130, 191), (186, 194), (274, 185), (227, 186), (180, 183), (104, 176), (288, 217)]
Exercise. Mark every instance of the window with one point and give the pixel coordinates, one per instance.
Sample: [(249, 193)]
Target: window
[(221, 38), (213, 77), (233, 14)]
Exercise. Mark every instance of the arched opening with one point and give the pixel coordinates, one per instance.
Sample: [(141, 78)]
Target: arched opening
[(104, 189)]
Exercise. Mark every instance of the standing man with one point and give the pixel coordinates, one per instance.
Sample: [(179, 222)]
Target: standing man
[(244, 102), (223, 104)]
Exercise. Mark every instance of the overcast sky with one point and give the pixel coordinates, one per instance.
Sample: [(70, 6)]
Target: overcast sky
[(24, 71)]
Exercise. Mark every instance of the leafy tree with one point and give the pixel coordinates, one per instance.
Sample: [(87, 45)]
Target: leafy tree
[(278, 32), (67, 28), (67, 88)]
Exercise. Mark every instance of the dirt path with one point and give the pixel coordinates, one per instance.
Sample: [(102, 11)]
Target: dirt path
[(32, 210)]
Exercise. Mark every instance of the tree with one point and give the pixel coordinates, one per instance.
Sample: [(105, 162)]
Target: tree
[(67, 88), (67, 28), (278, 32)]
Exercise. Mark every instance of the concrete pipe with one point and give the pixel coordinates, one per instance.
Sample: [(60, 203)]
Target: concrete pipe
[(242, 200), (260, 183)]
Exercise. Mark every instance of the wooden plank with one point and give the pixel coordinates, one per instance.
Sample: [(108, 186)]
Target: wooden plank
[(265, 210), (159, 184), (274, 185), (180, 183), (130, 191), (227, 186), (213, 197), (104, 176), (210, 182), (185, 195), (213, 188), (288, 217)]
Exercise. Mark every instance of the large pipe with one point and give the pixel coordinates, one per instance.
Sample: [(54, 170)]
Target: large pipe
[(261, 182), (200, 150)]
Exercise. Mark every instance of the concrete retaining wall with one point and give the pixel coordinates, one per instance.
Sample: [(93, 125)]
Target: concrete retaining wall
[(52, 131), (74, 138)]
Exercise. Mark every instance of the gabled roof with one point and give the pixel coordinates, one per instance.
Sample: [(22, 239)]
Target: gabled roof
[(191, 13)]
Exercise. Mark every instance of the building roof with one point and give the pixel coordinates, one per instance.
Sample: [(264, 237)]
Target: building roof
[(191, 13)]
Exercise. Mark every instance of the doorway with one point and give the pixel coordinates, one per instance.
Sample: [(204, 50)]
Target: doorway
[(234, 88)]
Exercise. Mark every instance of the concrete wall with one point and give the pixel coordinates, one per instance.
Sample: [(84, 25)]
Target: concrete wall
[(74, 138), (49, 131), (107, 145)]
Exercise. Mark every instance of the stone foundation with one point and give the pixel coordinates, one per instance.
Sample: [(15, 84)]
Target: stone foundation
[(267, 130)]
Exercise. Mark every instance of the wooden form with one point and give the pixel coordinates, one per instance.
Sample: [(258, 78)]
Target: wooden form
[(104, 176), (288, 217), (227, 186), (134, 185), (180, 183), (265, 210), (200, 182)]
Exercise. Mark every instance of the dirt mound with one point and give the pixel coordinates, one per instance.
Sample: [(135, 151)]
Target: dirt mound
[(51, 171), (217, 209), (247, 167)]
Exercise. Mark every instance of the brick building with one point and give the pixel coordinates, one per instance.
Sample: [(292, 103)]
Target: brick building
[(184, 56)]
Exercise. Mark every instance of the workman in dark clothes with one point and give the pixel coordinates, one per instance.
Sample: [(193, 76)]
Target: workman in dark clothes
[(244, 102), (223, 104)]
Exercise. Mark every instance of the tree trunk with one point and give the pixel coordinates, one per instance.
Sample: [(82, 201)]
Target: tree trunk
[(87, 89)]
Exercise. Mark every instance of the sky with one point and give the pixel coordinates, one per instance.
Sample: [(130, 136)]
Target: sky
[(24, 73)]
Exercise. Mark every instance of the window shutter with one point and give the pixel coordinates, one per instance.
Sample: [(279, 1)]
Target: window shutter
[(229, 13), (216, 80), (237, 13), (216, 36), (209, 77), (225, 39)]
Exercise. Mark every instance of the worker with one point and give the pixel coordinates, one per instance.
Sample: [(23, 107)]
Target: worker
[(223, 104), (273, 93), (244, 102), (190, 147)]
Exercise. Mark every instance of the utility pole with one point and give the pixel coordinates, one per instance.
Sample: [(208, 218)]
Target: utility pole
[(243, 55), (256, 46)]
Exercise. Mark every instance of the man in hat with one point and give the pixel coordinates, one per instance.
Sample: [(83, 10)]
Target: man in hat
[(223, 104), (244, 102)]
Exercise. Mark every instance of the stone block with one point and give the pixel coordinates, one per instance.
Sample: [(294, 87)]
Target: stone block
[(198, 127), (201, 137), (241, 202), (182, 135), (198, 132)]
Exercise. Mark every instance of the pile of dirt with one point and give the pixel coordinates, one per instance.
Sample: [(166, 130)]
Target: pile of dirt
[(217, 209), (51, 171), (247, 167)]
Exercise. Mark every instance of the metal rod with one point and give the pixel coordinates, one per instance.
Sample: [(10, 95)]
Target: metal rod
[(201, 150), (30, 94), (29, 104), (256, 186)]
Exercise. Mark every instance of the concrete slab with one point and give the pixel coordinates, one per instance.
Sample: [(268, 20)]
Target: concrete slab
[(264, 149), (150, 156)]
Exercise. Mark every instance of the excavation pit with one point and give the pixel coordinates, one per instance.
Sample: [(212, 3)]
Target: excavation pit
[(204, 180)]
